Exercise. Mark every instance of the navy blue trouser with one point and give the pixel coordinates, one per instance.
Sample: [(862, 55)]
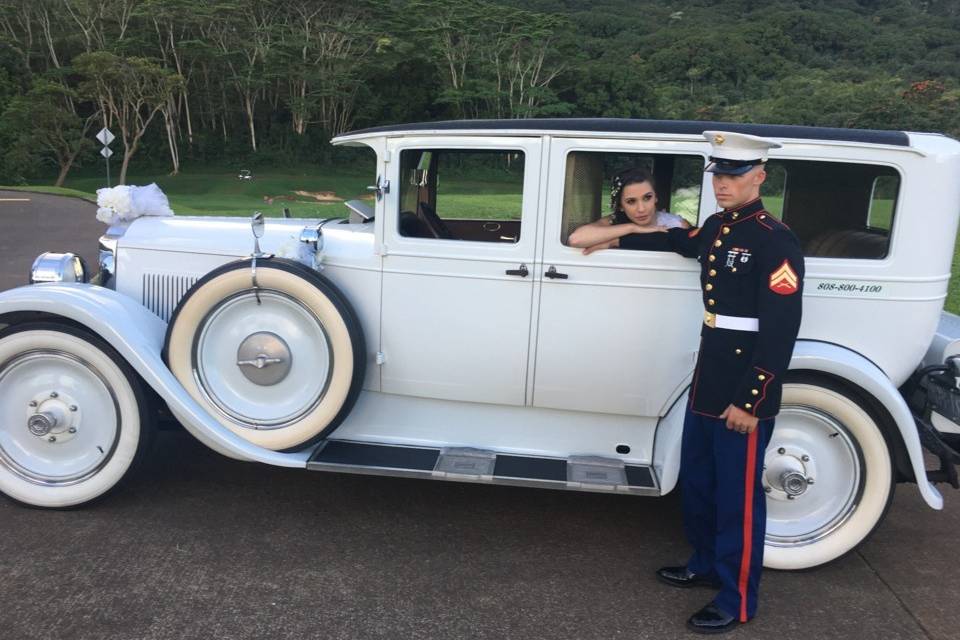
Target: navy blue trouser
[(724, 507)]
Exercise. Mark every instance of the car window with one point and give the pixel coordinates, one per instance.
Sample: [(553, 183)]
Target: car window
[(588, 175), (453, 194), (773, 189), (836, 209)]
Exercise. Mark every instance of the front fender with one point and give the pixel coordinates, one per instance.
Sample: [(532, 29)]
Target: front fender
[(137, 335), (854, 368)]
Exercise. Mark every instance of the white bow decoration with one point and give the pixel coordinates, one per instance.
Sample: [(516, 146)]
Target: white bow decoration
[(124, 203)]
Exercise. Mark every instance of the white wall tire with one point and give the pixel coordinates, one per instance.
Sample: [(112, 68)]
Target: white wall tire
[(92, 398), (308, 352), (824, 435)]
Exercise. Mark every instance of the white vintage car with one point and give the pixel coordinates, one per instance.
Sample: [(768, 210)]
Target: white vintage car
[(446, 330)]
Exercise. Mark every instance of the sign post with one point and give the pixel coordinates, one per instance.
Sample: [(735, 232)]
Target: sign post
[(105, 137)]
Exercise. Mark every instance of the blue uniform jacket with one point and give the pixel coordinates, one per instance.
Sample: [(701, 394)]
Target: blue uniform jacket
[(751, 266)]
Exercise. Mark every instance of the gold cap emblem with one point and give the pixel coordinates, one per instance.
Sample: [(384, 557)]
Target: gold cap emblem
[(719, 139)]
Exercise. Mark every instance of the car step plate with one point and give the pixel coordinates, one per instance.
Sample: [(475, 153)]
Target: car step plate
[(599, 473), (476, 463), (579, 473)]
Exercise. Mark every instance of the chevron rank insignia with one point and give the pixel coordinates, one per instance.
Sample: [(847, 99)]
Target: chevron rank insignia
[(784, 279)]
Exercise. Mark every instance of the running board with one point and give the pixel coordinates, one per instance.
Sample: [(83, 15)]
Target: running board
[(578, 473)]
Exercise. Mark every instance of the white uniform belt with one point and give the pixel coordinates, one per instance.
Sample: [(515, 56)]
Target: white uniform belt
[(716, 321)]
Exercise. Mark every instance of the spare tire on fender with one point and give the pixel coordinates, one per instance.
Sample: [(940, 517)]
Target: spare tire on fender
[(277, 355)]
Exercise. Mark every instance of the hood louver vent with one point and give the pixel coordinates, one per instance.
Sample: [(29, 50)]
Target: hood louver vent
[(162, 292)]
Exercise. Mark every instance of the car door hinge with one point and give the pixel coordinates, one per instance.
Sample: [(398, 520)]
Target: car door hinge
[(380, 357)]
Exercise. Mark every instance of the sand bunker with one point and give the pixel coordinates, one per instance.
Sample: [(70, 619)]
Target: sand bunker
[(320, 196), (271, 199)]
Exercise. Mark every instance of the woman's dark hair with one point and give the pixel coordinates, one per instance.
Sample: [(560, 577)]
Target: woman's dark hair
[(633, 175)]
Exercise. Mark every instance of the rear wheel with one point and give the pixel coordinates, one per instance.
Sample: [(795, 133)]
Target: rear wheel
[(828, 474), (73, 416)]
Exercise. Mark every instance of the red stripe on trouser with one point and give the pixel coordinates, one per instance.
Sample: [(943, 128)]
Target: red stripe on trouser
[(749, 475)]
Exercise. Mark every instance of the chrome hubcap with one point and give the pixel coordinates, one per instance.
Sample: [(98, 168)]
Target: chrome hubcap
[(44, 436), (40, 424), (793, 483), (812, 476), (53, 416), (264, 358)]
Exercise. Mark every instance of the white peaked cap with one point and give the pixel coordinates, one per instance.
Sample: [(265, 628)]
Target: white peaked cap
[(728, 145)]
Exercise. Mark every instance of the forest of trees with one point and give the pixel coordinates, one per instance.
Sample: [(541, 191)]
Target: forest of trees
[(271, 81)]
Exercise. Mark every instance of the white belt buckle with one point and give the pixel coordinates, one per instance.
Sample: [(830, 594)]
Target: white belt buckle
[(735, 323)]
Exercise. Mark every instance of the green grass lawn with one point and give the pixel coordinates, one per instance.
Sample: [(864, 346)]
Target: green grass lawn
[(219, 192)]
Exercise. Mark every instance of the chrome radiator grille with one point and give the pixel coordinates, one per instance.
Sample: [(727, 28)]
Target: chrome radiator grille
[(162, 292)]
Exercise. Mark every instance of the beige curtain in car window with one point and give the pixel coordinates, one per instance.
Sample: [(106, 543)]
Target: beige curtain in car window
[(582, 185)]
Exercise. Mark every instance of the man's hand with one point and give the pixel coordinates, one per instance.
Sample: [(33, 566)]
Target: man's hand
[(610, 244), (739, 420)]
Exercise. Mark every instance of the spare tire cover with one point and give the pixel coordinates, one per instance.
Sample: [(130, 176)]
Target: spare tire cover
[(280, 364)]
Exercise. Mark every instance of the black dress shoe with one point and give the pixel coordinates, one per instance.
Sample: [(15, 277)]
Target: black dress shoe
[(712, 619), (684, 578)]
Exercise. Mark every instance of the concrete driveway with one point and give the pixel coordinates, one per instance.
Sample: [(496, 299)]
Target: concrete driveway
[(199, 546)]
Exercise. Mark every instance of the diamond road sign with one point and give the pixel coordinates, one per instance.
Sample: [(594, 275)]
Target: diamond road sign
[(106, 152), (105, 138)]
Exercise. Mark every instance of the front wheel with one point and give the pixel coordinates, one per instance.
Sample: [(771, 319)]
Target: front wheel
[(73, 418), (828, 474)]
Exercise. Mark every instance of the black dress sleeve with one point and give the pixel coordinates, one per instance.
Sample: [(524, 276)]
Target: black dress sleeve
[(656, 241)]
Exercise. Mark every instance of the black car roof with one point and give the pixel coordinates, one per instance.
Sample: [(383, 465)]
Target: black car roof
[(624, 125)]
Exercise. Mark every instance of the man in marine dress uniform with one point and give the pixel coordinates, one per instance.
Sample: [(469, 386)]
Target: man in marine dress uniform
[(751, 277)]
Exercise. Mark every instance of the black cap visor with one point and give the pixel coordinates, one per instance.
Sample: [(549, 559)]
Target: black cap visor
[(731, 167)]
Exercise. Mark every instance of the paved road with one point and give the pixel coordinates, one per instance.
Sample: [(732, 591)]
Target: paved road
[(200, 546), (31, 223)]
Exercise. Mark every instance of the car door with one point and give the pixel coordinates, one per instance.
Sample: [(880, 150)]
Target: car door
[(460, 232), (617, 329)]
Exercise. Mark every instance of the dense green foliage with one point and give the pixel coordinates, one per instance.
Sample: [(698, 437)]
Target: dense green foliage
[(268, 82)]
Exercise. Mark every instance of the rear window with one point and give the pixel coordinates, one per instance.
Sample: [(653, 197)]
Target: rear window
[(836, 209)]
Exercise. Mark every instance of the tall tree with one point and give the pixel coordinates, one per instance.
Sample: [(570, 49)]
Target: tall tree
[(47, 126), (130, 92), (244, 39), (326, 45), (496, 60)]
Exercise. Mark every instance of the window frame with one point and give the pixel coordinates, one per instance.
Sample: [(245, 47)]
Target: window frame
[(437, 151), (894, 213), (637, 152), (394, 244)]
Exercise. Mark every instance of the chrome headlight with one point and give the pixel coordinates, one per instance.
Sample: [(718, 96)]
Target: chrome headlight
[(313, 237), (107, 256), (58, 267)]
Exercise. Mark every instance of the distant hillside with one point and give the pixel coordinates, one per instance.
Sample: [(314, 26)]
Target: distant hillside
[(271, 81)]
